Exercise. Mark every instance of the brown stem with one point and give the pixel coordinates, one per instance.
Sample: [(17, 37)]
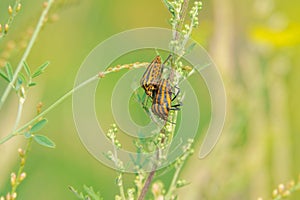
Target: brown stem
[(147, 184), (149, 178)]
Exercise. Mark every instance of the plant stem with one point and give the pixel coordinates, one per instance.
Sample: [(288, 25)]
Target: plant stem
[(61, 99), (19, 114), (27, 51), (172, 187), (11, 18), (120, 178), (56, 103), (173, 183), (147, 184), (149, 178), (22, 165)]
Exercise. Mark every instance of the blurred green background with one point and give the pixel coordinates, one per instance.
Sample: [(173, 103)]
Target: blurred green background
[(255, 44)]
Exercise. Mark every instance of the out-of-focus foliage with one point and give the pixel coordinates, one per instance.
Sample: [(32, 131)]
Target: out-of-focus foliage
[(254, 43)]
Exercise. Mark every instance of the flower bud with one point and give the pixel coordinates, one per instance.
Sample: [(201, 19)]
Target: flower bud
[(18, 7), (13, 179), (10, 10), (22, 176)]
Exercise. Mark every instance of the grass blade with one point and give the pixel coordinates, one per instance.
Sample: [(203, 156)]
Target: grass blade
[(27, 69)]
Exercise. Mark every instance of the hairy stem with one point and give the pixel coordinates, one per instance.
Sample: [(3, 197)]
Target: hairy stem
[(26, 53)]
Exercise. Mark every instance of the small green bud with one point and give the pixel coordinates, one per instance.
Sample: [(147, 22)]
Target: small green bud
[(22, 176), (10, 10), (18, 7), (13, 180), (6, 27)]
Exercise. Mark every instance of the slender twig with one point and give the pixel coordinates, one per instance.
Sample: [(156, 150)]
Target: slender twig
[(149, 178), (120, 178), (11, 18), (173, 187), (182, 17), (22, 165), (173, 183), (26, 52), (61, 99), (19, 113)]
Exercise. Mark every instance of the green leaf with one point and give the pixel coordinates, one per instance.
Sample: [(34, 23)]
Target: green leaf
[(18, 84), (44, 141), (38, 126), (77, 194), (90, 191), (27, 69), (22, 77), (3, 75), (190, 48), (40, 69), (170, 7), (31, 84), (27, 135), (9, 71)]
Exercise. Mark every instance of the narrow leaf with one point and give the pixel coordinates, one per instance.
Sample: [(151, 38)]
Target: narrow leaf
[(31, 84), (90, 191), (38, 126), (44, 141), (9, 71), (77, 194), (190, 48), (36, 74), (27, 69), (4, 76), (169, 6), (40, 69)]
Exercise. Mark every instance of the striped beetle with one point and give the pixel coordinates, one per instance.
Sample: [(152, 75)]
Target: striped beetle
[(152, 76), (162, 100)]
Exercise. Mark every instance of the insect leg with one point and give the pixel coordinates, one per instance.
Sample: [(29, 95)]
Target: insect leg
[(178, 91), (167, 59)]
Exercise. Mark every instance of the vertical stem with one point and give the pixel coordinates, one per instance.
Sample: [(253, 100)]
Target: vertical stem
[(147, 184), (149, 178), (120, 178), (22, 165), (26, 53), (19, 114)]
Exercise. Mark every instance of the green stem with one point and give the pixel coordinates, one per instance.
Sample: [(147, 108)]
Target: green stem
[(11, 18), (120, 178), (22, 165), (175, 178), (26, 53), (173, 183), (61, 99), (19, 114), (56, 103)]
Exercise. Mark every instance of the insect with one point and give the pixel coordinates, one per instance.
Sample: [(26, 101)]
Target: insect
[(152, 76), (162, 100)]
